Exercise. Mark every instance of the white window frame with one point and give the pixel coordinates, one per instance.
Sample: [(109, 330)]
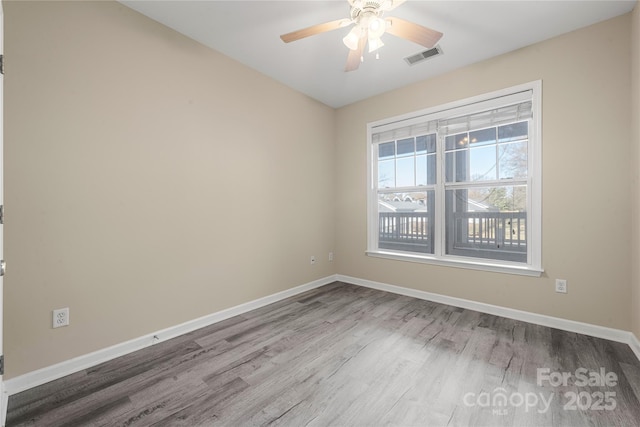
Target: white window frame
[(533, 266)]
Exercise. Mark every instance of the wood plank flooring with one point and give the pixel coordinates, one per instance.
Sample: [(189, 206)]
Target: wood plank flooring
[(343, 355)]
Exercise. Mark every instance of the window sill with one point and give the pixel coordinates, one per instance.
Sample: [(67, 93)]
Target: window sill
[(506, 268)]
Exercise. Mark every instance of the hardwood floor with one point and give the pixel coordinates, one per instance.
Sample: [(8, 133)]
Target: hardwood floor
[(343, 355)]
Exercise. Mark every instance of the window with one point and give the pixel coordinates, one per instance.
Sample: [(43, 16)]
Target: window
[(460, 184)]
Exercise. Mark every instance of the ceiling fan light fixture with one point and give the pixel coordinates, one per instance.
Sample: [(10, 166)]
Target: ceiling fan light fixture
[(375, 44), (351, 40), (376, 27)]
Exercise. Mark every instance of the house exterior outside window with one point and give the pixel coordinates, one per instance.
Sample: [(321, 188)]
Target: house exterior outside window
[(460, 184)]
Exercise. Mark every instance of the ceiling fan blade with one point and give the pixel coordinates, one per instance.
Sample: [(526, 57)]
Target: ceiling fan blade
[(413, 32), (355, 56), (315, 29)]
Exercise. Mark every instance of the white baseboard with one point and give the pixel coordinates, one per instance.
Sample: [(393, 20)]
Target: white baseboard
[(59, 370), (50, 373), (4, 402), (635, 345), (538, 319)]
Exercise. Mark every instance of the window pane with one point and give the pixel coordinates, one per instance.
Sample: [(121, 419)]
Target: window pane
[(513, 132), (405, 173), (456, 166), (426, 170), (388, 149), (487, 222), (431, 169), (386, 173), (421, 170), (406, 221), (482, 137), (406, 147), (456, 142), (513, 160), (483, 163), (426, 143)]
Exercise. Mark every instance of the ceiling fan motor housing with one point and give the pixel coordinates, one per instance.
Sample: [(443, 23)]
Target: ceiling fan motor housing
[(362, 11)]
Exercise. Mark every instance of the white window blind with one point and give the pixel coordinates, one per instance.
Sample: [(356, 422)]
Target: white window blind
[(485, 119), (491, 112), (406, 132)]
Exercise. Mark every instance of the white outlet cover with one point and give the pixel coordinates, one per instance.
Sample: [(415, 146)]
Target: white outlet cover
[(561, 286), (60, 317)]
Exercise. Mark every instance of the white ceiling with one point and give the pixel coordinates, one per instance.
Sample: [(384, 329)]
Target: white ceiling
[(249, 31)]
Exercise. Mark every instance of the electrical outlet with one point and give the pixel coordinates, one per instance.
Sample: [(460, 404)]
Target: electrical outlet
[(61, 317), (561, 286), (313, 259), (330, 256)]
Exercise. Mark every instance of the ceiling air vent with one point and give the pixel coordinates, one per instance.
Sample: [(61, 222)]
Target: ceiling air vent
[(423, 56)]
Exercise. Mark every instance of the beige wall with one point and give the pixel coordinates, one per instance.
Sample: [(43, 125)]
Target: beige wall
[(635, 165), (586, 171), (149, 180)]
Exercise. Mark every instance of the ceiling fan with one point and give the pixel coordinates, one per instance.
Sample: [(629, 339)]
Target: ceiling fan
[(369, 26)]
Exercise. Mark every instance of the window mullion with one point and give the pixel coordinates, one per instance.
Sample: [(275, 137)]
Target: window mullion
[(491, 183), (439, 213), (420, 189), (372, 208)]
